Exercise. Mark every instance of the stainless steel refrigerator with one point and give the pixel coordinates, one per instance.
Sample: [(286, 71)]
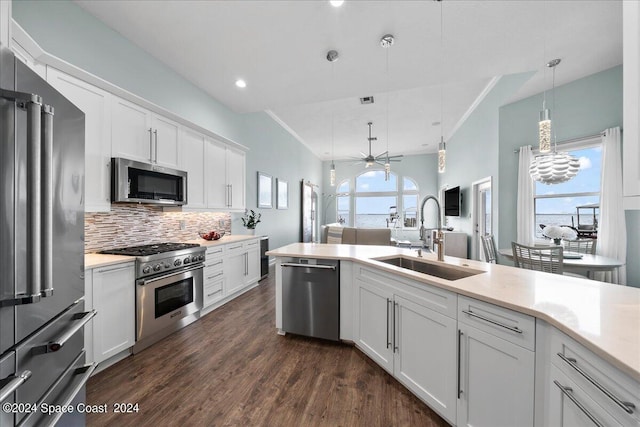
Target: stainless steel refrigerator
[(42, 317)]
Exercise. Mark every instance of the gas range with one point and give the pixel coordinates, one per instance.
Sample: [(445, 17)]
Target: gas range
[(162, 257)]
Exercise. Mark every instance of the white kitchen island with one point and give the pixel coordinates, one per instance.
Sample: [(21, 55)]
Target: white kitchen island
[(502, 346)]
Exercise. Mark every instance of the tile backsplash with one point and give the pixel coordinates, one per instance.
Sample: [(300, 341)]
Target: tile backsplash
[(130, 225)]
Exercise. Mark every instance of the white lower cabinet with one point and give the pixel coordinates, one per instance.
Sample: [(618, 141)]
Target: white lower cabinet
[(229, 269), (496, 357), (213, 276), (235, 268), (253, 261), (399, 329), (582, 389), (496, 380), (113, 297)]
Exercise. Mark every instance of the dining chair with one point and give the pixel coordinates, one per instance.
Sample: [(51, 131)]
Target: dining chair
[(489, 247), (583, 246), (547, 259)]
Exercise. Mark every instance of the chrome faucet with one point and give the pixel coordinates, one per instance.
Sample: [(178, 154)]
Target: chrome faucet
[(439, 240)]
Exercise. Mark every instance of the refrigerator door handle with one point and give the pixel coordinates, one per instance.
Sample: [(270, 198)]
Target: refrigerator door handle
[(47, 201), (56, 344), (32, 103), (13, 384)]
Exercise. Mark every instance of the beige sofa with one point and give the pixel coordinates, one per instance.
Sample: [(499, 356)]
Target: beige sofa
[(360, 236)]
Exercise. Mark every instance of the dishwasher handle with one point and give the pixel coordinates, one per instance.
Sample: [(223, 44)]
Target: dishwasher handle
[(324, 267)]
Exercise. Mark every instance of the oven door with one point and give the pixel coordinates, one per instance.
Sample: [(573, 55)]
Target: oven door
[(165, 299)]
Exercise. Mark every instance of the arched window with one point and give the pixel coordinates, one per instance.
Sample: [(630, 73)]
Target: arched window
[(373, 202)]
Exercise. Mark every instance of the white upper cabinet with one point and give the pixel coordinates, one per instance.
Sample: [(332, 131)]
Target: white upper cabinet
[(139, 134), (631, 103), (236, 178), (131, 133), (95, 103), (192, 160), (166, 141), (225, 177), (216, 176)]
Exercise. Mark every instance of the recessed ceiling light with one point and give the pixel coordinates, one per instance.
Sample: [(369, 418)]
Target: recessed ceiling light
[(241, 83), (336, 3)]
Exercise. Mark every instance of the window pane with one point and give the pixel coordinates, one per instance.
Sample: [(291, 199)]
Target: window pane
[(410, 210), (373, 212), (342, 206), (409, 185), (343, 187), (562, 211), (586, 181), (373, 181)]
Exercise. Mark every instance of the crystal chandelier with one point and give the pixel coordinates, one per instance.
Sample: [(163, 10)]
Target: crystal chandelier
[(551, 167)]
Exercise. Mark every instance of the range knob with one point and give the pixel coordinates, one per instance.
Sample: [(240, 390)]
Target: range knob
[(167, 264), (146, 270), (194, 259), (187, 260), (201, 258), (177, 262), (157, 267)]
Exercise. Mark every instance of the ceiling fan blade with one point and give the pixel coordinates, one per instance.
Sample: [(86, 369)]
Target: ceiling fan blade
[(362, 154), (397, 156), (381, 155)]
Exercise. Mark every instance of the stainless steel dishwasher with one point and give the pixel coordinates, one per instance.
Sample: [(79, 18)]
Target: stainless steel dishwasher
[(311, 298)]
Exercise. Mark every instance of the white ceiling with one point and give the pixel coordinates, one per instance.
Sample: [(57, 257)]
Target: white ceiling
[(279, 48)]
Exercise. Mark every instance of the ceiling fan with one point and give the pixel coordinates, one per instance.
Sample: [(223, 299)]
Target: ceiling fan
[(382, 158)]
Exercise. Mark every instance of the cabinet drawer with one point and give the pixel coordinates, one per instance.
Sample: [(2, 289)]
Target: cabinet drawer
[(570, 405), (252, 244), (431, 297), (212, 276), (214, 251), (509, 325), (604, 383), (212, 291), (233, 248), (213, 264)]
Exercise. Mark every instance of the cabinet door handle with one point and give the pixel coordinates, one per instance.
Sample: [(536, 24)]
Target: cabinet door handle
[(628, 407), (230, 195), (215, 275), (150, 144), (396, 313), (567, 391), (459, 361), (388, 342), (486, 319), (155, 132)]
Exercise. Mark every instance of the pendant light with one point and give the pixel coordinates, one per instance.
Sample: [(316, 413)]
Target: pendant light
[(442, 147), (552, 167), (387, 41), (332, 56)]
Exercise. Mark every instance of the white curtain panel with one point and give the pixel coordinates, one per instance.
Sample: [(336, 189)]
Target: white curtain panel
[(525, 221), (612, 230)]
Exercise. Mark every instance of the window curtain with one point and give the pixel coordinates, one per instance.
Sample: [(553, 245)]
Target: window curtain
[(612, 230), (525, 221)]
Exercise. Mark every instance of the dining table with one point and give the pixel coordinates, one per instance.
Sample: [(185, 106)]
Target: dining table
[(579, 263)]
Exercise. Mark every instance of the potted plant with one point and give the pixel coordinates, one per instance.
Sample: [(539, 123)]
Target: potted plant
[(250, 220)]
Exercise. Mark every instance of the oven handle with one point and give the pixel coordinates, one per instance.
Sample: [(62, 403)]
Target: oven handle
[(143, 282)]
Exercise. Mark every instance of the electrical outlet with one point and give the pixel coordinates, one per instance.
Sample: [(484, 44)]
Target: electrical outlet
[(183, 224)]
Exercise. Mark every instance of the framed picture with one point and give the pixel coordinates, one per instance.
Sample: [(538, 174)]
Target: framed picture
[(282, 194), (265, 191)]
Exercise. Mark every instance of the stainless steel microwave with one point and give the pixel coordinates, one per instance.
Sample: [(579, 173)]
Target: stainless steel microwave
[(137, 182)]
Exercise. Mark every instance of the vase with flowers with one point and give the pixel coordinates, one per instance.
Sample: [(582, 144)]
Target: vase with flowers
[(558, 233), (250, 220)]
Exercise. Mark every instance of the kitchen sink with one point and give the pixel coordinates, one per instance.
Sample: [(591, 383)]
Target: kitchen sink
[(442, 271)]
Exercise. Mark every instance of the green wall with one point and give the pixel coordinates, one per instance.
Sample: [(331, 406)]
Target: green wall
[(472, 152), (65, 30), (583, 107)]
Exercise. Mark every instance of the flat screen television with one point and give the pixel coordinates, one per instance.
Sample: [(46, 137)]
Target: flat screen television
[(452, 202)]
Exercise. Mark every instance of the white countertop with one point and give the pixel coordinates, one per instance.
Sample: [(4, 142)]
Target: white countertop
[(604, 318), (101, 260)]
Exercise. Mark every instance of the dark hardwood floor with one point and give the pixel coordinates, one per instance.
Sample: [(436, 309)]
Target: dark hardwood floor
[(231, 368)]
